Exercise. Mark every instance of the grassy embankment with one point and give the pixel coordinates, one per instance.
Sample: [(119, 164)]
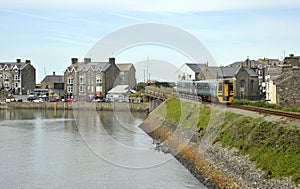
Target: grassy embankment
[(274, 148)]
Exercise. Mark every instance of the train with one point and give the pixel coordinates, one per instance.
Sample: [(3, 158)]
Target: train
[(221, 91)]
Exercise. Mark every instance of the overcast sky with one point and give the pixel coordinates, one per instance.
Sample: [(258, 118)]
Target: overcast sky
[(51, 32)]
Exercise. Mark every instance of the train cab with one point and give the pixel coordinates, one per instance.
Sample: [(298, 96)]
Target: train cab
[(225, 91)]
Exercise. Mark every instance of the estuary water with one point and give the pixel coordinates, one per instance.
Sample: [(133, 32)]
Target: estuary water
[(47, 149)]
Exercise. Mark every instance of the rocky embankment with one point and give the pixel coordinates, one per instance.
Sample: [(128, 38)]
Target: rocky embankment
[(217, 166)]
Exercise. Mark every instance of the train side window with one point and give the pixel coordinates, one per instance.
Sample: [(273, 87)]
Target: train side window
[(230, 87)]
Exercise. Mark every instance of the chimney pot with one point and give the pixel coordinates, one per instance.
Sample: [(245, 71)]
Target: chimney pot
[(87, 60), (53, 73), (27, 61), (112, 60), (18, 60), (74, 60)]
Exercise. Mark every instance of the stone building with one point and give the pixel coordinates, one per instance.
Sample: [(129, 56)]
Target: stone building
[(54, 84), (18, 77), (260, 68), (126, 75), (285, 87), (84, 80), (292, 60), (246, 84)]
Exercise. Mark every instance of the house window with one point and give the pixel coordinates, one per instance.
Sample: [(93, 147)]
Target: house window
[(70, 80), (6, 83), (70, 89), (81, 89), (251, 85), (17, 77), (81, 80), (98, 80), (16, 85), (5, 76)]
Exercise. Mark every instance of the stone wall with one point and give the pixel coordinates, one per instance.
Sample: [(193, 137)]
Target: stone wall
[(140, 107)]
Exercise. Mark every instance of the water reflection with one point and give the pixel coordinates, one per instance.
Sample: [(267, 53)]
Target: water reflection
[(40, 151)]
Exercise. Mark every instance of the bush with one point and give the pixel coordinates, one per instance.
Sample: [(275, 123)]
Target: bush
[(263, 104)]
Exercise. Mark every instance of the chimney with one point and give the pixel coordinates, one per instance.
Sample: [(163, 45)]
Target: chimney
[(27, 61), (74, 60), (112, 60), (87, 60), (291, 55), (18, 60), (53, 73)]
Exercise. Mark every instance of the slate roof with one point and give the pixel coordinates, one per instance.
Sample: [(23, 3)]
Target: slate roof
[(124, 66), (10, 65), (55, 78), (225, 71), (251, 72), (101, 66)]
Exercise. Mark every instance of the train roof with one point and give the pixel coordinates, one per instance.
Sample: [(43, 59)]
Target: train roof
[(202, 81)]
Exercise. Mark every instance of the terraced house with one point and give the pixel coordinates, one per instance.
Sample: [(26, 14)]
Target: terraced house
[(18, 77), (84, 80)]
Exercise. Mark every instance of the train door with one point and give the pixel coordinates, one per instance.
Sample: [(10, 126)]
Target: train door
[(226, 91)]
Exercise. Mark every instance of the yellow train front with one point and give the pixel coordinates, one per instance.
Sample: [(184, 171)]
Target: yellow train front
[(225, 91)]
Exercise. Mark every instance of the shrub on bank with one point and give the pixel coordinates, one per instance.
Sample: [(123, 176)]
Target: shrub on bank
[(264, 104)]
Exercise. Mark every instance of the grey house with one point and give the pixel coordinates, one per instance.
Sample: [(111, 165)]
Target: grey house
[(126, 75), (17, 77), (54, 84), (84, 80)]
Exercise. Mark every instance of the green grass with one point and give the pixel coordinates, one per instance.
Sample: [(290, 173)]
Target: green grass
[(275, 149)]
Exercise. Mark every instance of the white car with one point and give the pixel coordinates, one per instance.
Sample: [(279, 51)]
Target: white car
[(38, 100)]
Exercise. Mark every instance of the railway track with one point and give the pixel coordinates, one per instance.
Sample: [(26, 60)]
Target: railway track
[(266, 111)]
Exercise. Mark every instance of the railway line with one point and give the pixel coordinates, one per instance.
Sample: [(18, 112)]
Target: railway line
[(165, 93), (266, 111)]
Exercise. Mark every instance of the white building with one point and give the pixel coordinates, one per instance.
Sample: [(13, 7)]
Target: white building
[(189, 71), (119, 93)]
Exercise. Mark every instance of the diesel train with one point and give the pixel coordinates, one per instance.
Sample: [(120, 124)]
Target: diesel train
[(208, 90)]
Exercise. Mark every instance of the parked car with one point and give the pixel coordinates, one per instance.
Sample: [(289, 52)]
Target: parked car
[(38, 100), (70, 100), (31, 98)]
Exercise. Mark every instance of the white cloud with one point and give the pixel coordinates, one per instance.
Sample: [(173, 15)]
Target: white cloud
[(155, 5)]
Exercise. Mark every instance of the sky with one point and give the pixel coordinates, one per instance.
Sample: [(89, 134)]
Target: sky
[(51, 32)]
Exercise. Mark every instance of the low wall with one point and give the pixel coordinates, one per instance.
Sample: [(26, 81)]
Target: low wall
[(140, 107)]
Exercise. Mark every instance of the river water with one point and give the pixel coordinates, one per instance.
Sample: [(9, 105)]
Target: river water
[(44, 149)]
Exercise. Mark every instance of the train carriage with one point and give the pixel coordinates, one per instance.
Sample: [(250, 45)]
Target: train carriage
[(209, 90)]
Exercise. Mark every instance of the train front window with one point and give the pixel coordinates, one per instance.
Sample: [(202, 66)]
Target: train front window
[(220, 88)]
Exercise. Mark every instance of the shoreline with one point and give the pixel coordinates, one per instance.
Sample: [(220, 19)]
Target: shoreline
[(137, 107), (216, 167)]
